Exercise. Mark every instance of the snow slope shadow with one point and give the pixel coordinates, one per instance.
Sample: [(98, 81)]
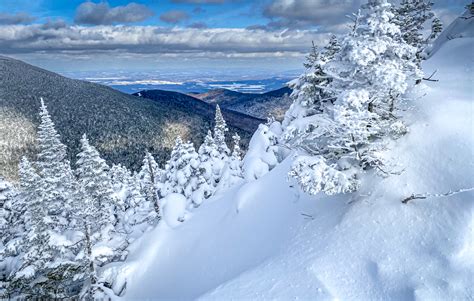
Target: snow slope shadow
[(223, 238)]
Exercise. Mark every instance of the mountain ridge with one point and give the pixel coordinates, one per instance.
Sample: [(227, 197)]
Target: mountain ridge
[(120, 125), (258, 105)]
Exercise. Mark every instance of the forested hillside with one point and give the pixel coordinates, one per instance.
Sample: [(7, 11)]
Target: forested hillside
[(122, 126)]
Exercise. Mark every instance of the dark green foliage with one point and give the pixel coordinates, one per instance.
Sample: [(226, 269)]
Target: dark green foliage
[(121, 126)]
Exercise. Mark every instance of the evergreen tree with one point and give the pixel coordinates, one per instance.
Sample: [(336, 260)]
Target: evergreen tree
[(368, 73), (411, 17), (183, 173), (15, 219), (141, 211), (210, 160), (86, 270), (54, 169), (233, 170), (220, 129), (93, 178), (236, 150), (43, 261), (302, 122), (436, 28), (150, 178)]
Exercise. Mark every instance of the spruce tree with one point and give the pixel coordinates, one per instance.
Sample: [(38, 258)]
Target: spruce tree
[(302, 123), (411, 17), (183, 172), (93, 178), (220, 129), (43, 261), (150, 178), (210, 160), (232, 173), (371, 69), (54, 170), (436, 29)]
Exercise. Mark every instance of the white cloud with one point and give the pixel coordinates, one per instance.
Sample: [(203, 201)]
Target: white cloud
[(17, 18), (298, 13), (102, 13), (153, 39)]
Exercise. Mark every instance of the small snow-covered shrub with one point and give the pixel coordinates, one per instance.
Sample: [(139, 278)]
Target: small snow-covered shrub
[(314, 175)]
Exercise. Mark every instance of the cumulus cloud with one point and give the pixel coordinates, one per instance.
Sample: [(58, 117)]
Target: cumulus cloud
[(303, 13), (54, 24), (174, 16), (152, 39), (102, 14), (17, 18)]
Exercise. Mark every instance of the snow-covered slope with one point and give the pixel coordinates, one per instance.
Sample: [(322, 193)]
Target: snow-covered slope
[(266, 240), (462, 27)]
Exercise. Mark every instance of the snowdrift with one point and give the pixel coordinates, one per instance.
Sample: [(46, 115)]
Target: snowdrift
[(267, 240)]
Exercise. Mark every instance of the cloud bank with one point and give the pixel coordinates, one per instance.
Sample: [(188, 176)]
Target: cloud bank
[(152, 39), (17, 18)]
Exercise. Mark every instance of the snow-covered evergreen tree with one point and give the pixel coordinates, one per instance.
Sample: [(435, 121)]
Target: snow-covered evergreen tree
[(44, 258), (120, 181), (183, 173), (411, 17), (436, 29), (232, 173), (93, 178), (220, 128), (367, 74), (302, 123), (54, 169), (15, 219), (211, 160), (150, 178)]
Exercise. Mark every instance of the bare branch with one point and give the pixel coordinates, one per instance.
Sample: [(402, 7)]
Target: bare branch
[(435, 195), (430, 77)]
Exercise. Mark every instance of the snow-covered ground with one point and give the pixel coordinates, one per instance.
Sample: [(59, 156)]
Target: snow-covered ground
[(266, 240)]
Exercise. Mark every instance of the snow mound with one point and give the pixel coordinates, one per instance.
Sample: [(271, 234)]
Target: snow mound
[(174, 209)]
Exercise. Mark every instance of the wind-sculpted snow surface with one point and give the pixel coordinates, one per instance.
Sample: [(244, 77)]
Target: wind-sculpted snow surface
[(267, 240)]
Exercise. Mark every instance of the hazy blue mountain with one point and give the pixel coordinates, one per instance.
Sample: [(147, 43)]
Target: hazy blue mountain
[(262, 105)]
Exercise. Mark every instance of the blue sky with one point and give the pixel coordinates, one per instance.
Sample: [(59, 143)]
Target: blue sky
[(236, 14), (68, 35)]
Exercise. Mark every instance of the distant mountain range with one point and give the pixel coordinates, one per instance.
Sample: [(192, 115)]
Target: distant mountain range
[(185, 102), (236, 106), (199, 80), (274, 103), (120, 125)]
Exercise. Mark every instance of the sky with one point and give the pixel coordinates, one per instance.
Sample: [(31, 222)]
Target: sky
[(78, 35)]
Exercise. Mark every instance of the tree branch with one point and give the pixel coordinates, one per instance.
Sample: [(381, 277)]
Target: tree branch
[(429, 78), (435, 195)]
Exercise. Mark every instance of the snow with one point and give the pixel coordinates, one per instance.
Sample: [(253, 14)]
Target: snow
[(174, 209), (462, 27), (260, 157), (265, 239)]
